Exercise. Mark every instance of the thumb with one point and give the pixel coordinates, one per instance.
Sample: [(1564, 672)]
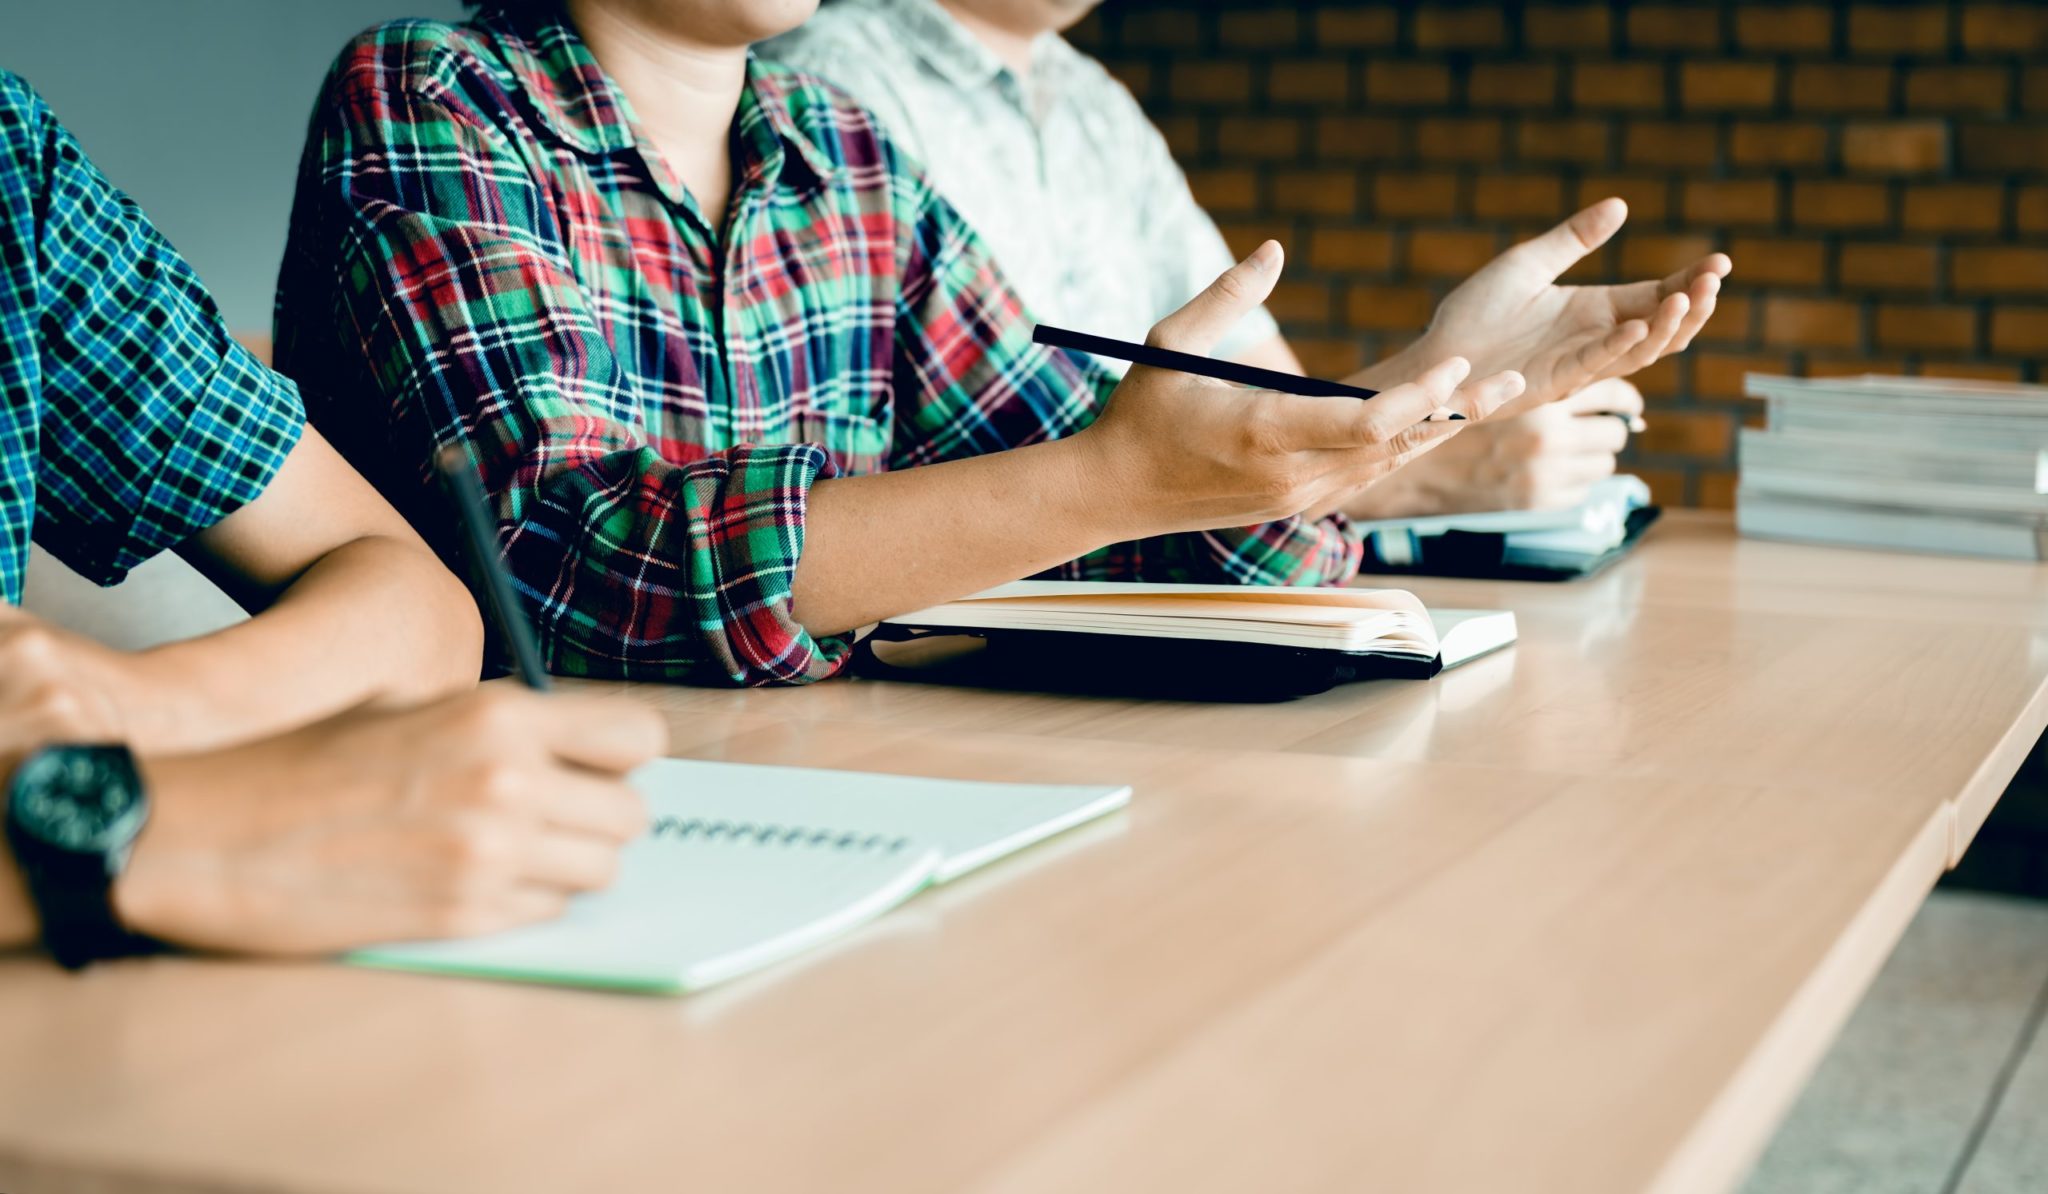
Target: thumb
[(1556, 250), (1208, 316)]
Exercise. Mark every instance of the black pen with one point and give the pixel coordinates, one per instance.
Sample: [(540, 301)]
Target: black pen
[(1184, 362), (478, 529)]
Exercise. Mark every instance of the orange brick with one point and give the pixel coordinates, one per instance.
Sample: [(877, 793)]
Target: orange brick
[(1841, 204), (1718, 375), (2019, 330), (1393, 83), (1653, 256), (1459, 139), (1731, 201), (1717, 489), (1519, 85), (1359, 138), (2030, 209), (1137, 77), (1726, 86), (1328, 356), (1851, 365), (1625, 85), (1302, 302), (1667, 485), (2001, 269), (2017, 147), (1984, 90), (1210, 83), (1779, 262), (2034, 89), (1447, 27), (1448, 253), (1899, 29), (2005, 28), (1660, 379), (1374, 27), (1226, 191), (1390, 308), (1567, 139), (1245, 235), (1700, 434), (1674, 27), (1970, 370), (1184, 135), (1268, 28), (1262, 137), (1954, 207), (1597, 266), (1887, 267), (1841, 87), (1568, 27), (1664, 143), (1778, 143), (1896, 147), (1158, 29), (1428, 195), (1734, 317), (1323, 82), (1926, 326), (1316, 192), (1763, 28), (1518, 196), (1811, 323), (1351, 250), (1648, 199)]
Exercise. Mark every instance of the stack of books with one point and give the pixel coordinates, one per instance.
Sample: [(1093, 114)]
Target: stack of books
[(1902, 463)]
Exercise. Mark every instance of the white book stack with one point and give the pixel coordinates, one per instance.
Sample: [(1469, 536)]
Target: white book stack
[(1901, 463)]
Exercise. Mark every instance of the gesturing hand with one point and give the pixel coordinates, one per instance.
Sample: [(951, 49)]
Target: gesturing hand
[(1512, 314), (1188, 454)]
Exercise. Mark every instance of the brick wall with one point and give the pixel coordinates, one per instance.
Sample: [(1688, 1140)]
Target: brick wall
[(1878, 171)]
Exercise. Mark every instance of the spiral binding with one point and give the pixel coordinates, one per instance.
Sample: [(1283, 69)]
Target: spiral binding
[(768, 834)]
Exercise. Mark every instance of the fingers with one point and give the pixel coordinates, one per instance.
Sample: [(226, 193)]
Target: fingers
[(1657, 338), (600, 808), (1397, 410), (1558, 249), (1198, 326), (1591, 435), (1704, 294), (569, 862), (602, 733)]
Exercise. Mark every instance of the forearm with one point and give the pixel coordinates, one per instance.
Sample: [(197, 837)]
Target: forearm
[(17, 916), (883, 545), (373, 621)]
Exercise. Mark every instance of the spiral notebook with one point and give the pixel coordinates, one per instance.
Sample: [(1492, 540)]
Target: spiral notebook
[(745, 866)]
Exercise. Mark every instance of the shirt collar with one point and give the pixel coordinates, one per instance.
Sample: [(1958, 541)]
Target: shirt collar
[(936, 36), (576, 101)]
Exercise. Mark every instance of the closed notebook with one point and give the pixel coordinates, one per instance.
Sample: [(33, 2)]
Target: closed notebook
[(1205, 642), (744, 866), (1516, 544)]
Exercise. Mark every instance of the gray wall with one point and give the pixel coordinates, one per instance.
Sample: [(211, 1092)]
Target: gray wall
[(198, 109)]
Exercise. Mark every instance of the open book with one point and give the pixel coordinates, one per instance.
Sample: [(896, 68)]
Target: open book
[(1209, 641), (744, 866)]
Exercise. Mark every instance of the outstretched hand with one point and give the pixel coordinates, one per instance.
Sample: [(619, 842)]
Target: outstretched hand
[(1513, 314)]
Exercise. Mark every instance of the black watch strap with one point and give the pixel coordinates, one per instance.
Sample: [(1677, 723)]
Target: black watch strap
[(71, 883)]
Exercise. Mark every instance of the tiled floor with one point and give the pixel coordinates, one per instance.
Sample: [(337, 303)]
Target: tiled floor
[(1939, 1082)]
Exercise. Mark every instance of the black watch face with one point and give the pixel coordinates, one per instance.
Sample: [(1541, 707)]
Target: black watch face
[(85, 799)]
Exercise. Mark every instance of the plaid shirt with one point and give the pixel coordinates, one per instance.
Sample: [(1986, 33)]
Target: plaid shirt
[(129, 420), (484, 247)]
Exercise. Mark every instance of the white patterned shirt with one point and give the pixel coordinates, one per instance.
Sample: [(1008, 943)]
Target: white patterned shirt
[(1063, 174)]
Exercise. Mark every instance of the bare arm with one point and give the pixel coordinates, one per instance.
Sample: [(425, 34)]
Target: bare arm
[(353, 609)]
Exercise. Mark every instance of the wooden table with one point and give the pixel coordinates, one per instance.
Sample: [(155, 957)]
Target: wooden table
[(1577, 917)]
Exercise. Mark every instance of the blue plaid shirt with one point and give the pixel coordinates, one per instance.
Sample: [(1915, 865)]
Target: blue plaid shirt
[(129, 420)]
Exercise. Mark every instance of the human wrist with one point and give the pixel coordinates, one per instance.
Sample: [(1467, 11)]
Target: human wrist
[(1103, 486), (163, 889)]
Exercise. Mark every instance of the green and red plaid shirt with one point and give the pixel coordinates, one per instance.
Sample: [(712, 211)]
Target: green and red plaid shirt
[(485, 247)]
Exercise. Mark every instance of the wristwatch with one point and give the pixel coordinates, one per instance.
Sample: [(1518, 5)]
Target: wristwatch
[(73, 814)]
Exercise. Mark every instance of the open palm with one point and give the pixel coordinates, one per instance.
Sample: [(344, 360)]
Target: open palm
[(1512, 314)]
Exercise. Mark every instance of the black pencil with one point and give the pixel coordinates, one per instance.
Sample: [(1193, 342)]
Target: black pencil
[(504, 604), (1185, 362)]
